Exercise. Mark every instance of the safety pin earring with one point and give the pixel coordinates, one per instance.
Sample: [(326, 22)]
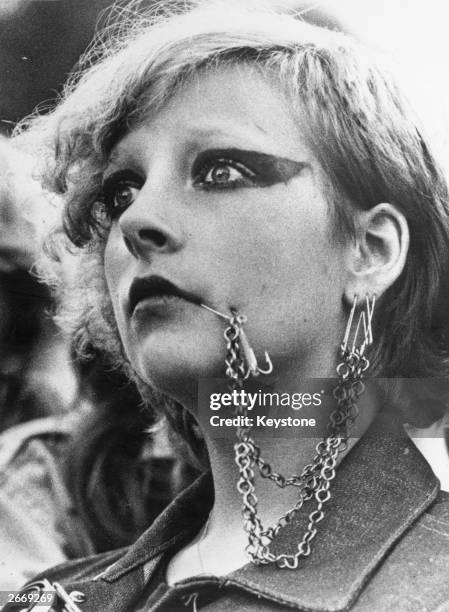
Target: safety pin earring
[(365, 320), (253, 368)]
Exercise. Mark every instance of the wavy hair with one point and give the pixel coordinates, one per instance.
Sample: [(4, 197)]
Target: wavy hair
[(351, 114)]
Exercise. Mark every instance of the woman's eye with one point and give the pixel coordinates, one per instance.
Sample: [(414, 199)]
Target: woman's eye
[(223, 174), (118, 193), (234, 168), (123, 196)]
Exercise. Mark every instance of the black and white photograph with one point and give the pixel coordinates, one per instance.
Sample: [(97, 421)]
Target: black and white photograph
[(224, 305)]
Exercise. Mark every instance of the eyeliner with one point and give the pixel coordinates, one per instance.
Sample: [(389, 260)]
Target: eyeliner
[(264, 169)]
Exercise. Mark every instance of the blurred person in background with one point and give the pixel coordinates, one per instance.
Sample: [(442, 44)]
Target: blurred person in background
[(35, 373), (87, 482)]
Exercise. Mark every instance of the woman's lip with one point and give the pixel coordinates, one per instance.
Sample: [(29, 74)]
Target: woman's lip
[(154, 290), (156, 301)]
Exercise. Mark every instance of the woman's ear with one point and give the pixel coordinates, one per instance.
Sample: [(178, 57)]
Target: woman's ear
[(377, 256)]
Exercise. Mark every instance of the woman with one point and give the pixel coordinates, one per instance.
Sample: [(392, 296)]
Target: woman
[(240, 172)]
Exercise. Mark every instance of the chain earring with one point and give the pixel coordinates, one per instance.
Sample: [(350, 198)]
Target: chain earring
[(353, 365), (235, 334), (313, 482)]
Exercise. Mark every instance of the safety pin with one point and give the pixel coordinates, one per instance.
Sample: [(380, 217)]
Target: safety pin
[(250, 357), (365, 319), (219, 314), (251, 360)]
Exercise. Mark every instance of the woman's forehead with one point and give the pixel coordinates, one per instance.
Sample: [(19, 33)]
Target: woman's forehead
[(231, 106)]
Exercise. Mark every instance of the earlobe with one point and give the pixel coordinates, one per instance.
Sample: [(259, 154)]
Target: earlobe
[(377, 256)]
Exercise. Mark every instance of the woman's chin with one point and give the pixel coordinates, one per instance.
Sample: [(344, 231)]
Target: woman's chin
[(176, 371)]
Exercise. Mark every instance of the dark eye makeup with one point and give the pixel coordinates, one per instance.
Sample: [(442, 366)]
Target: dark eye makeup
[(233, 168), (212, 170), (119, 190)]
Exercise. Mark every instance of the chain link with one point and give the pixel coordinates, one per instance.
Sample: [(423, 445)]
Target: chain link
[(314, 481)]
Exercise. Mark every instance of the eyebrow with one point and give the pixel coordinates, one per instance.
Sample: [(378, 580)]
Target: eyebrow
[(224, 128), (116, 156), (217, 128)]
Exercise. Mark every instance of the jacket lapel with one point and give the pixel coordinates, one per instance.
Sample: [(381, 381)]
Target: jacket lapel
[(381, 488)]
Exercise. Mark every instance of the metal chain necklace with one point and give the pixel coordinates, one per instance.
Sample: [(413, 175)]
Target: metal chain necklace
[(314, 481)]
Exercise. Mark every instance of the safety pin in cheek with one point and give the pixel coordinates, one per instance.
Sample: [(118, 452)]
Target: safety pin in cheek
[(219, 314), (237, 321), (250, 357)]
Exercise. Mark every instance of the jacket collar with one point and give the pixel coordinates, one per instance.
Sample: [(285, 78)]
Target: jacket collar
[(382, 486)]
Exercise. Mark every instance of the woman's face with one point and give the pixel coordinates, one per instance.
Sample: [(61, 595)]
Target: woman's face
[(218, 200)]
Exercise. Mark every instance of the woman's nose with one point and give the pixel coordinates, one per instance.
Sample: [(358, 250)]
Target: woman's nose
[(145, 232)]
